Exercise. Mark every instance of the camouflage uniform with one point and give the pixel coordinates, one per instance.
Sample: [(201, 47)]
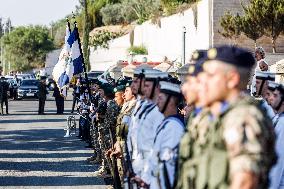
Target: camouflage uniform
[(107, 128), (240, 139), (101, 111), (123, 121)]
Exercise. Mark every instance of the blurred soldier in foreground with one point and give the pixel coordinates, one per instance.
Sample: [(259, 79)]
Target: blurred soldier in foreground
[(199, 118), (4, 87), (276, 100), (234, 150)]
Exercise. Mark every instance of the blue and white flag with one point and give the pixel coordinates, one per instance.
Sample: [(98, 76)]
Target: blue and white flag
[(60, 68), (70, 60)]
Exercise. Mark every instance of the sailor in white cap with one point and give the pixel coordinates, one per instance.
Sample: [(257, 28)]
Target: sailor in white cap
[(137, 87), (149, 118), (276, 100), (162, 160), (262, 79)]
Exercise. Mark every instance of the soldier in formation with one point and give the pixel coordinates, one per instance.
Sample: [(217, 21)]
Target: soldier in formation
[(229, 140)]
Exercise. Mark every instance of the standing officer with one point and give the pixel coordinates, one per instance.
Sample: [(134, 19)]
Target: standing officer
[(235, 150), (276, 100), (42, 92), (4, 87), (59, 99)]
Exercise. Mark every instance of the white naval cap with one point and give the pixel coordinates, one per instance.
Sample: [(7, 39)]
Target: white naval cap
[(153, 74), (170, 88), (141, 69), (272, 85), (265, 75)]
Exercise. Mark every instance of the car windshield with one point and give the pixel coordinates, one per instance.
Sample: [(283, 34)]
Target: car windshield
[(30, 82)]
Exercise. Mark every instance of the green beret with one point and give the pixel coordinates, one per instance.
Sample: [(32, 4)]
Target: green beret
[(120, 88)]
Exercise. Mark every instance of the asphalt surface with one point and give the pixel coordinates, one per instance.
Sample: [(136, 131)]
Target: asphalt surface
[(34, 153)]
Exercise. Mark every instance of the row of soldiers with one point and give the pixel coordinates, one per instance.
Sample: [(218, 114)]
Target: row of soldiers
[(223, 138)]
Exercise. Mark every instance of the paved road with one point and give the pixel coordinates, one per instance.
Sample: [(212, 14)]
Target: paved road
[(34, 154)]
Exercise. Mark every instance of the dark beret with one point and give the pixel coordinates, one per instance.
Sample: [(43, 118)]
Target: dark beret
[(233, 55)]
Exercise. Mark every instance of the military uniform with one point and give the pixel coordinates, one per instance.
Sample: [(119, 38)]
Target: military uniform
[(107, 131), (202, 121), (41, 97), (4, 87), (123, 121), (238, 139)]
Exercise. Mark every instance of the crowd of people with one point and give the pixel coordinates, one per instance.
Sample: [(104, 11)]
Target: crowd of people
[(151, 131)]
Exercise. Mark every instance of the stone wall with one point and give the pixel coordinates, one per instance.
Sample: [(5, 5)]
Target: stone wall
[(219, 8)]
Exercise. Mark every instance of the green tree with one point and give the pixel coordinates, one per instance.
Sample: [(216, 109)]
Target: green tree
[(231, 26), (143, 9), (273, 18), (26, 47), (251, 23)]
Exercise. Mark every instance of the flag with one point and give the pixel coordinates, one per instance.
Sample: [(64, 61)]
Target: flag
[(60, 68), (72, 64)]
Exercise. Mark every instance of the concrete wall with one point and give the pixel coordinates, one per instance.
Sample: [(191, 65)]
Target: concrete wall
[(163, 39)]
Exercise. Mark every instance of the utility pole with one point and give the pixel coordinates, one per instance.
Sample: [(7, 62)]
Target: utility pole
[(2, 53), (183, 45)]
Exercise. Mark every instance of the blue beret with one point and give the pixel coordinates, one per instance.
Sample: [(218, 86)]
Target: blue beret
[(232, 55)]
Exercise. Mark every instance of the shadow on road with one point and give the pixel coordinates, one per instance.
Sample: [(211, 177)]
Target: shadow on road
[(50, 181), (38, 139), (49, 144), (19, 121)]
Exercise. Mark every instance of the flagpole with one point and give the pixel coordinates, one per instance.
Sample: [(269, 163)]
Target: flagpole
[(84, 65)]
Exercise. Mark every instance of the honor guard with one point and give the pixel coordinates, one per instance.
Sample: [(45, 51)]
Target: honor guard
[(235, 149), (137, 87), (149, 118), (107, 126), (190, 86), (199, 117), (163, 159), (276, 100), (261, 85)]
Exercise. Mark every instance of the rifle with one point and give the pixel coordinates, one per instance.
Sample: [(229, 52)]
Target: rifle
[(128, 184), (113, 165)]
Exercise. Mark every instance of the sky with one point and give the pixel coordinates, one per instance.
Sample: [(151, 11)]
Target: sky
[(42, 12)]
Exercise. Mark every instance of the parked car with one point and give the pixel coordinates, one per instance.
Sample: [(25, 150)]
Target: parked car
[(28, 89)]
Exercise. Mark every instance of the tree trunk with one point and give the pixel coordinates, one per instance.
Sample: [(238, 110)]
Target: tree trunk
[(273, 45), (86, 31)]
